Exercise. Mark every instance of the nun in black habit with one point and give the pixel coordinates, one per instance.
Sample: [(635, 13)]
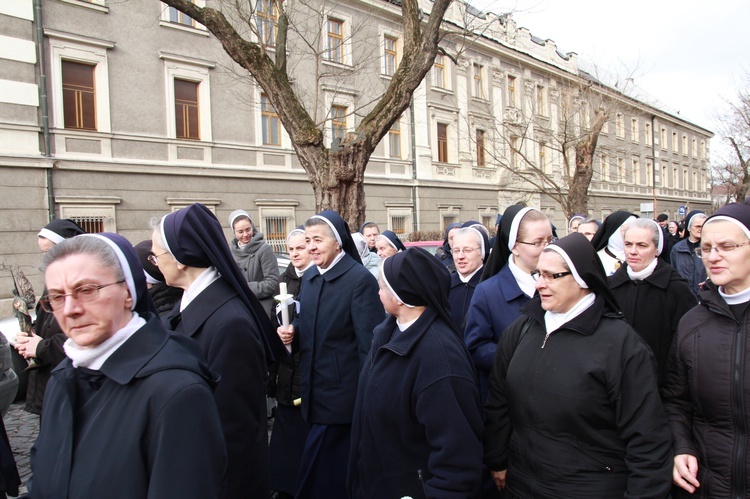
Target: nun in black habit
[(573, 407), (219, 311), (339, 308), (417, 422), (608, 241)]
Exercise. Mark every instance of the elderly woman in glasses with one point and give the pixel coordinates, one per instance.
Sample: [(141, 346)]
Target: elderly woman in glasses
[(573, 407), (506, 284), (388, 244), (129, 412), (706, 391), (653, 296)]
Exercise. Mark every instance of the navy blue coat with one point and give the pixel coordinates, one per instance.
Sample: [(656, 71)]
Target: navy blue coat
[(150, 430), (688, 264), (338, 311), (417, 428), (460, 296), (496, 304), (226, 332)]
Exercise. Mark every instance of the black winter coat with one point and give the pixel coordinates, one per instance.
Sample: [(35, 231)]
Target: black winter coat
[(417, 428), (654, 306), (49, 353), (338, 311), (707, 395), (578, 414), (287, 382), (229, 338), (688, 264), (150, 429), (460, 296)]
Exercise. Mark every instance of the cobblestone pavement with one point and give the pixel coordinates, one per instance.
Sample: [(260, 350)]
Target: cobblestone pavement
[(22, 428)]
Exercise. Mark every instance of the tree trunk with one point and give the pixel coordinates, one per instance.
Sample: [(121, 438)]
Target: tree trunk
[(585, 150)]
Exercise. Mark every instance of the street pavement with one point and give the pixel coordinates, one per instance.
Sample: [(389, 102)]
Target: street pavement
[(22, 428)]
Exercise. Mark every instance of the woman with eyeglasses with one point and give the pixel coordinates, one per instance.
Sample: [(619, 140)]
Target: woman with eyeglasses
[(707, 390), (683, 257), (653, 296), (608, 240), (506, 284), (573, 407), (255, 257), (130, 412), (388, 244)]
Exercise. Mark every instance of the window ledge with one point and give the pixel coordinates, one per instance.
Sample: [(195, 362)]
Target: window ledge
[(182, 27), (88, 5), (483, 100), (442, 90), (339, 65)]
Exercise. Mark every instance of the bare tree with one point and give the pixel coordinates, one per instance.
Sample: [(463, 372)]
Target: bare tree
[(336, 173), (732, 174)]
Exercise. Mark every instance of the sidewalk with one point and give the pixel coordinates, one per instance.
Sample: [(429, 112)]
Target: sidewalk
[(22, 428)]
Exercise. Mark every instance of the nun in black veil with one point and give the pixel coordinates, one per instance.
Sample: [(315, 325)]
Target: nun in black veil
[(573, 408), (417, 422), (219, 311)]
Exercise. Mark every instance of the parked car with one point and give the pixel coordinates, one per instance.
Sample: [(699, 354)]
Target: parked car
[(430, 246)]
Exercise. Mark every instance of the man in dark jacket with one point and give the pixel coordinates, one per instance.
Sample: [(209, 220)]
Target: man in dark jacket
[(683, 257)]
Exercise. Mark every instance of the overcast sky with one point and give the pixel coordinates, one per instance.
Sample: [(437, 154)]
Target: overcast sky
[(688, 54)]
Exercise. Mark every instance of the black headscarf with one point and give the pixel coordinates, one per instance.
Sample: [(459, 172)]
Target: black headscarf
[(611, 224), (586, 265), (59, 229), (501, 252), (738, 212), (418, 279), (195, 238), (482, 230), (446, 245), (143, 249), (341, 232), (690, 216), (394, 240), (131, 269)]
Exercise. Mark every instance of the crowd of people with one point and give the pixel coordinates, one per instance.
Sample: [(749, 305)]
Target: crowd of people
[(610, 362)]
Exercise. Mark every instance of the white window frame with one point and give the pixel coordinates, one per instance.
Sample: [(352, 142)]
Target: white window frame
[(180, 203), (388, 149), (447, 74), (620, 126), (479, 85), (542, 101), (450, 212), (400, 211), (189, 69), (636, 167), (516, 90), (196, 27), (648, 134), (675, 143), (346, 41), (399, 51), (64, 46), (684, 145), (277, 208), (634, 130), (90, 206)]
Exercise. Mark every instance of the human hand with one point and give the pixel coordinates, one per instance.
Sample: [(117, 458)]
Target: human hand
[(499, 478), (286, 333), (26, 344), (685, 471)]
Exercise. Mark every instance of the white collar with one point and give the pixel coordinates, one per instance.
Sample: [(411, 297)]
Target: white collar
[(554, 320), (523, 279), (468, 277), (95, 357), (642, 274), (737, 298), (336, 260), (203, 281)]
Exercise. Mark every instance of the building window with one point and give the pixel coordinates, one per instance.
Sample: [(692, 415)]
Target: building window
[(480, 147), (390, 55), (636, 171), (335, 51), (439, 72), (649, 173), (663, 138), (478, 69), (675, 145), (620, 126), (276, 231), (604, 167), (620, 170), (541, 100), (270, 123), (634, 129), (277, 219), (511, 89), (186, 109), (178, 17), (703, 149), (648, 134), (93, 214), (685, 179), (338, 123), (695, 148), (266, 16), (394, 140), (543, 157), (514, 143), (79, 95), (398, 224), (585, 116), (684, 145), (674, 178), (442, 142)]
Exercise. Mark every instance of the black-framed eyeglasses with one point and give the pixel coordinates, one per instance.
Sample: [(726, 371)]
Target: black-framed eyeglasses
[(547, 277), (154, 259), (721, 249), (539, 244), (82, 294)]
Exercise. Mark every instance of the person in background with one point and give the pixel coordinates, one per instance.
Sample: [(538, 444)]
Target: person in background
[(497, 231), (370, 260), (388, 244), (163, 296), (339, 308), (608, 240), (706, 392), (652, 295), (443, 253), (573, 407), (219, 311), (506, 285), (255, 258), (417, 420), (574, 222), (45, 344), (289, 428), (130, 412), (662, 220), (588, 228), (370, 231), (470, 249), (683, 256)]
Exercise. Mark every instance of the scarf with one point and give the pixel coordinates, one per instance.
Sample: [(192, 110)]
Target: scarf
[(642, 274), (554, 320), (95, 357)]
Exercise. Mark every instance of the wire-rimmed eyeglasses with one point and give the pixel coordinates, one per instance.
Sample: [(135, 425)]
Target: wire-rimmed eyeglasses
[(82, 294)]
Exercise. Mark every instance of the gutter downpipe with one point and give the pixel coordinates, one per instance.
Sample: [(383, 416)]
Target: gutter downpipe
[(654, 166), (43, 102), (414, 187)]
